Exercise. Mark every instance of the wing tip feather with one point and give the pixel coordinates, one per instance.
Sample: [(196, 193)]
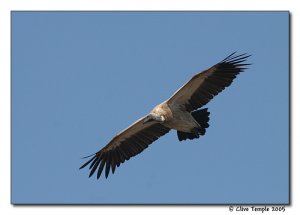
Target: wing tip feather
[(236, 58), (89, 161)]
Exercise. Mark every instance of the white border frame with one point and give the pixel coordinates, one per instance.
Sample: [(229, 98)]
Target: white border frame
[(6, 6)]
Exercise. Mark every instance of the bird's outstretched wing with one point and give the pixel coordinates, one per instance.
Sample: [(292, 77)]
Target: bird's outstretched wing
[(125, 145), (205, 85)]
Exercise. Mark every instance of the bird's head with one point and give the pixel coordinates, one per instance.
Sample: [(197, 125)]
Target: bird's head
[(153, 117)]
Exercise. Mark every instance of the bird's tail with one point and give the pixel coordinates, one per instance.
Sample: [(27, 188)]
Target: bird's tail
[(202, 117)]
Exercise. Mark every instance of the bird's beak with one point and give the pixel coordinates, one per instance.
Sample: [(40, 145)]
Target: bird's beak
[(147, 119)]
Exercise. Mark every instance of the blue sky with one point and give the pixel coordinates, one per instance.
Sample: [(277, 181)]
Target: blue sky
[(78, 78)]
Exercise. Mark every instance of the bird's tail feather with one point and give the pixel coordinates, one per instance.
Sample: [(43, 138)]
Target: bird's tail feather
[(202, 117)]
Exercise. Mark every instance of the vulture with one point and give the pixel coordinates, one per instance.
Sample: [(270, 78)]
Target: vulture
[(180, 112)]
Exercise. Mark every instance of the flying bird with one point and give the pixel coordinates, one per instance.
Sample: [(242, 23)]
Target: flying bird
[(180, 112)]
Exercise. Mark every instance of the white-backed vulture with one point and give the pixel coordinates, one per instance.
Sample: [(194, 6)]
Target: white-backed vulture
[(178, 112)]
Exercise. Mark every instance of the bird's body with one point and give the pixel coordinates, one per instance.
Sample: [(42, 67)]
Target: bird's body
[(175, 117), (180, 112)]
